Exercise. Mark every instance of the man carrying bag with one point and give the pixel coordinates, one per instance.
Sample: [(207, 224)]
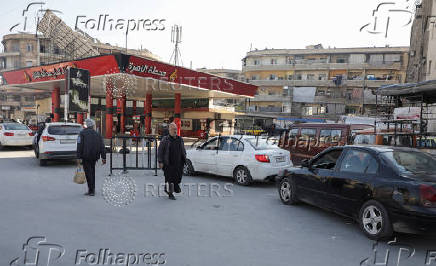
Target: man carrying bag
[(90, 148)]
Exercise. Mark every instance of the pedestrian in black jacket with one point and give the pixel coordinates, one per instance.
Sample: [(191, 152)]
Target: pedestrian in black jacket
[(172, 158), (90, 148)]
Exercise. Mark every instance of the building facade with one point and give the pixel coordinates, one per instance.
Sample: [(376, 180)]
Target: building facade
[(422, 59), (321, 83)]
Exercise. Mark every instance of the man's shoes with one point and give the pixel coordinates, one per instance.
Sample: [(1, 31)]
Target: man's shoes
[(89, 193), (171, 197)]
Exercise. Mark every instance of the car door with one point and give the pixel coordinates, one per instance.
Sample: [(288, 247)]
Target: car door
[(205, 157), (312, 181), (229, 155), (352, 183)]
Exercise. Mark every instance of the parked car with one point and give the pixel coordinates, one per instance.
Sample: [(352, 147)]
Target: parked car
[(385, 189), (306, 140), (245, 158), (15, 134), (58, 141)]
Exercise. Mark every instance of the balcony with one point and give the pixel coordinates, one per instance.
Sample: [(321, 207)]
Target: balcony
[(7, 54), (271, 98), (324, 66), (324, 83)]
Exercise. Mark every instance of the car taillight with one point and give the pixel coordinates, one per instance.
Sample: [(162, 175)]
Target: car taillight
[(48, 138), (428, 195), (8, 134), (262, 158), (31, 134)]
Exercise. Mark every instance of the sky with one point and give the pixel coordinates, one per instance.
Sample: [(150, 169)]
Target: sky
[(218, 34)]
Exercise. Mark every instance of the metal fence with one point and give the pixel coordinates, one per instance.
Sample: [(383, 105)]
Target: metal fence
[(133, 153)]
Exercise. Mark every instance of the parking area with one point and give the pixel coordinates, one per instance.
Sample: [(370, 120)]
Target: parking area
[(212, 222)]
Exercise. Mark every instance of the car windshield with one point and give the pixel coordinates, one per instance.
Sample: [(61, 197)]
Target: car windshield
[(16, 127), (412, 162), (262, 144), (64, 130)]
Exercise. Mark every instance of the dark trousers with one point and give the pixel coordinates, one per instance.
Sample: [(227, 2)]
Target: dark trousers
[(89, 168)]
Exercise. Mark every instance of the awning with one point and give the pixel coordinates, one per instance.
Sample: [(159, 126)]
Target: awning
[(425, 89)]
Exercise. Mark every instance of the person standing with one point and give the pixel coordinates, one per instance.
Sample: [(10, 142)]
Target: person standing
[(172, 158), (90, 148)]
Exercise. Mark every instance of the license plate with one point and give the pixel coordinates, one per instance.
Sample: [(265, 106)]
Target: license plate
[(68, 141), (280, 159)]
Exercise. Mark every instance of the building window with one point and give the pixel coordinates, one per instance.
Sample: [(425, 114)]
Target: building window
[(42, 48), (272, 77), (341, 60), (273, 61), (15, 47), (322, 77), (29, 63), (310, 76), (29, 47), (429, 67), (320, 92), (290, 77), (298, 77), (253, 77), (28, 98), (256, 62)]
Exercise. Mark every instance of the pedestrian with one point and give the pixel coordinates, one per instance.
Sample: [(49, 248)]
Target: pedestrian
[(90, 148), (172, 158)]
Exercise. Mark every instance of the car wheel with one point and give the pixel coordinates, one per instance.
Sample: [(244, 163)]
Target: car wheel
[(1, 147), (374, 221), (242, 176), (287, 191), (188, 168), (42, 162)]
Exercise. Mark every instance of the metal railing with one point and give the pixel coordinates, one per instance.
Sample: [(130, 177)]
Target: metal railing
[(137, 153)]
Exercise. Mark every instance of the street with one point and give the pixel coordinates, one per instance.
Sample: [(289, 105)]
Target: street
[(237, 226)]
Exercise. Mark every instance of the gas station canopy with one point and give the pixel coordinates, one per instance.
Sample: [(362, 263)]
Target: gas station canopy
[(138, 76)]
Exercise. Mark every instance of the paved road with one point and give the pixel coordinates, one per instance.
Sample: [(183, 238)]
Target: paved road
[(231, 225)]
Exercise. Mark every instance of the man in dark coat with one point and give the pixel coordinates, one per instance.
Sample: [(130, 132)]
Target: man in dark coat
[(90, 148), (172, 158)]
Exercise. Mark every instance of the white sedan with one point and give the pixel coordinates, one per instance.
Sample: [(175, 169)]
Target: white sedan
[(15, 134), (245, 158)]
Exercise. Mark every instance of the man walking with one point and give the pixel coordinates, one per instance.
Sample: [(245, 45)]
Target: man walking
[(172, 157), (90, 148)]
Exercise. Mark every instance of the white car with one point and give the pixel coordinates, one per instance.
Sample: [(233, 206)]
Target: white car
[(15, 134), (57, 141), (245, 158)]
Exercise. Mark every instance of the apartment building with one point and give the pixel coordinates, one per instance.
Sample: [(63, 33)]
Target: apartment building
[(319, 82)]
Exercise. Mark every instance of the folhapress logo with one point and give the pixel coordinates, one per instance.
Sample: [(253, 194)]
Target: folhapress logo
[(26, 19), (37, 252)]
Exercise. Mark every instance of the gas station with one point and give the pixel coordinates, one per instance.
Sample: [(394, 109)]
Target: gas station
[(162, 89)]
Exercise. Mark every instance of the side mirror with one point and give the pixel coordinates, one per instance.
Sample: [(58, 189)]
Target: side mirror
[(305, 163)]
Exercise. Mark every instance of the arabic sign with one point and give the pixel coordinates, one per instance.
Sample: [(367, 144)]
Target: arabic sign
[(78, 81), (97, 66)]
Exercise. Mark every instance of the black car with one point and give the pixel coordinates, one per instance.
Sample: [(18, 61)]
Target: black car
[(384, 188)]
